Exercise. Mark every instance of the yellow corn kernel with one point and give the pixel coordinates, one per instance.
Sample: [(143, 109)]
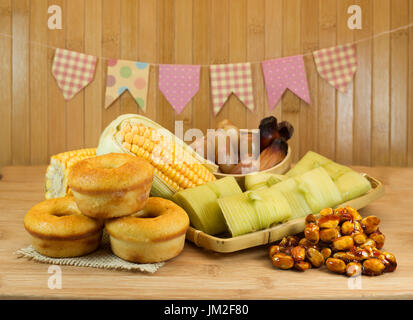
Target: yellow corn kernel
[(58, 170), (173, 164)]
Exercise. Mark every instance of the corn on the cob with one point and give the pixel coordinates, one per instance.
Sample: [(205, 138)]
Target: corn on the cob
[(57, 171), (177, 166)]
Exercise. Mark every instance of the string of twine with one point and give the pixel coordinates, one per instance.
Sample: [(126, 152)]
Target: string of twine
[(5, 35)]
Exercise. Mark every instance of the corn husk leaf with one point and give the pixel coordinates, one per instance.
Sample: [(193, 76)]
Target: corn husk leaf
[(319, 189), (352, 185)]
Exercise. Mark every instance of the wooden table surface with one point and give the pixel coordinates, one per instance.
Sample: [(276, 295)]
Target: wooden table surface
[(200, 274)]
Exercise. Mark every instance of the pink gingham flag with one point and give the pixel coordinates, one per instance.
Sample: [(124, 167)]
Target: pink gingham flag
[(73, 71), (179, 83), (337, 65), (285, 73), (231, 78)]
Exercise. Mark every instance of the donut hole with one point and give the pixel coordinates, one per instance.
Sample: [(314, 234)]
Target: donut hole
[(62, 214), (142, 214), (145, 213)]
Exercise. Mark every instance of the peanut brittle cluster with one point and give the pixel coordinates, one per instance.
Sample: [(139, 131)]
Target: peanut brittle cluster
[(341, 239)]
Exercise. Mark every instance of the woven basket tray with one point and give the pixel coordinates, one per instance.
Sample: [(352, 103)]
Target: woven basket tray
[(228, 244)]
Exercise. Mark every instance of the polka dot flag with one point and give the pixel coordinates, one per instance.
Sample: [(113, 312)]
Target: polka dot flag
[(285, 73), (179, 83), (125, 75)]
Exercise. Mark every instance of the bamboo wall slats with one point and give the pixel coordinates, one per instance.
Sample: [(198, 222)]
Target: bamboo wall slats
[(371, 124)]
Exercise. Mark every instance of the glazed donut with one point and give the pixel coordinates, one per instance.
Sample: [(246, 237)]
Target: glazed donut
[(155, 234), (111, 185), (58, 229)]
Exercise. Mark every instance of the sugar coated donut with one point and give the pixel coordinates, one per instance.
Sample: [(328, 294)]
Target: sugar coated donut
[(155, 234), (58, 229), (111, 185)]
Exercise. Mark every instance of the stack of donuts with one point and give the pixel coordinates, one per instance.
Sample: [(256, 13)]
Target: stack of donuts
[(112, 192)]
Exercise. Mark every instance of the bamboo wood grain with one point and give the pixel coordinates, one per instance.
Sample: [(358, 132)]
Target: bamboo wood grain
[(56, 105), (398, 102), (410, 91), (344, 101), (201, 55), (94, 92), (309, 43), (147, 38), (184, 50), (6, 87), (36, 121), (198, 273), (111, 49), (380, 151), (39, 69), (75, 108), (273, 42), (326, 93), (219, 48), (129, 46), (166, 54), (292, 46), (256, 52), (21, 109), (238, 53), (362, 124)]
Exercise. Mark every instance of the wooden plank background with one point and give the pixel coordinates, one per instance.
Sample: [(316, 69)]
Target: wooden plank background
[(372, 124)]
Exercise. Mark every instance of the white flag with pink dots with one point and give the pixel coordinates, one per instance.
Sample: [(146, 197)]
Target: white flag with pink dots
[(285, 73), (179, 83)]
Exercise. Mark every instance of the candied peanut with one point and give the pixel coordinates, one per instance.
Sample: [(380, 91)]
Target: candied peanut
[(361, 253), (306, 243), (282, 261), (273, 250), (343, 214), (328, 222), (310, 219), (340, 255), (328, 235), (311, 232), (378, 238), (302, 265), (336, 265), (283, 242), (347, 228), (353, 269), (326, 211), (369, 243), (370, 224), (359, 238), (357, 227), (343, 243), (326, 252), (356, 216), (298, 253), (373, 267), (389, 260), (339, 211), (315, 257)]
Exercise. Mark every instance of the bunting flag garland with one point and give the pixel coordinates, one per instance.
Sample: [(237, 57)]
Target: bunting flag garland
[(231, 78), (127, 75), (337, 65), (179, 83), (73, 71), (285, 73)]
